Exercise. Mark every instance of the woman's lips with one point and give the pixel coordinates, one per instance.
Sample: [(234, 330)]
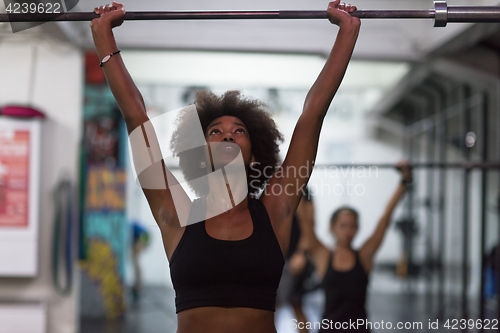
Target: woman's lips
[(227, 147)]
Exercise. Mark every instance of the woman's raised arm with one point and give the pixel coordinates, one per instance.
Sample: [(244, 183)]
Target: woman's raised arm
[(290, 178), (122, 86), (371, 246), (156, 180), (318, 252)]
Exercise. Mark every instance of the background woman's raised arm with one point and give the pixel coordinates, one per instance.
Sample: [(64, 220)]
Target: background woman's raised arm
[(371, 246)]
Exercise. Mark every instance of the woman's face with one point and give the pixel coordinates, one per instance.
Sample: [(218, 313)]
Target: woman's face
[(345, 228), (226, 136)]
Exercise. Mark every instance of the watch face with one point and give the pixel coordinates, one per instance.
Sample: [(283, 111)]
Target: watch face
[(106, 58)]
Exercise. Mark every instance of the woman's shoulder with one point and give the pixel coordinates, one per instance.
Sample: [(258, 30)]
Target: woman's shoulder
[(364, 260)]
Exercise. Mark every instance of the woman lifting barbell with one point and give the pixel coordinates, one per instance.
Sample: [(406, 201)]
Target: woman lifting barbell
[(226, 268)]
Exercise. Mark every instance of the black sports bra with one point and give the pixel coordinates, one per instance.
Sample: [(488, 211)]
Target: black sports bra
[(206, 271)]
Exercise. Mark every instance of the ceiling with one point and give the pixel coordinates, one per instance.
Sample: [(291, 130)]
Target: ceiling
[(407, 40)]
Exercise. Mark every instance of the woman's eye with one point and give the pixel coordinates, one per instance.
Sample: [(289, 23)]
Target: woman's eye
[(215, 131), (240, 130)]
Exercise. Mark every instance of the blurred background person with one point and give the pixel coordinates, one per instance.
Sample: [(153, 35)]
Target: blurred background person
[(344, 270), (298, 270), (140, 241)]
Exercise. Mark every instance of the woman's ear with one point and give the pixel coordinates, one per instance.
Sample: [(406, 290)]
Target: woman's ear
[(252, 161)]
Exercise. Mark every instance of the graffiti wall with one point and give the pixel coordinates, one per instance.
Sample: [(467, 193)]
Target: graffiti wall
[(104, 229)]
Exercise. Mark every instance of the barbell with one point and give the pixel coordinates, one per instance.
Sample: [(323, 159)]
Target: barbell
[(493, 165), (441, 13)]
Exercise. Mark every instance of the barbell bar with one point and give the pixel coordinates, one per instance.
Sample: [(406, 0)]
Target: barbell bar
[(442, 14), (418, 165)]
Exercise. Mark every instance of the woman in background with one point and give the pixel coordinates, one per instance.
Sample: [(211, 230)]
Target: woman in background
[(140, 241), (298, 268), (344, 270)]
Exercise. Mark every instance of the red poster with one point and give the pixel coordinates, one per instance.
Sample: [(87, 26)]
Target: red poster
[(14, 177)]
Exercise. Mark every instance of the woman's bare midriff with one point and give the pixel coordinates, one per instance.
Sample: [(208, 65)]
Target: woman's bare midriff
[(225, 320)]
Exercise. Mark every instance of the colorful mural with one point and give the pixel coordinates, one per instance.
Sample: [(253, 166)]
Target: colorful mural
[(104, 228), (101, 267)]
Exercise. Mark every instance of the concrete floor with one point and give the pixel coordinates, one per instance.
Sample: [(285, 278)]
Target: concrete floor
[(155, 313)]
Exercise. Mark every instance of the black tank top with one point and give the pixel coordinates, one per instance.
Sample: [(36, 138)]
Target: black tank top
[(345, 294), (294, 237), (206, 271)]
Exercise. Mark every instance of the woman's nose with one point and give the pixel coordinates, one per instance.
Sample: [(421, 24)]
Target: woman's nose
[(228, 138)]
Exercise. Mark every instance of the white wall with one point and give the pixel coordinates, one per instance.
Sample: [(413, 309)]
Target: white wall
[(57, 92)]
